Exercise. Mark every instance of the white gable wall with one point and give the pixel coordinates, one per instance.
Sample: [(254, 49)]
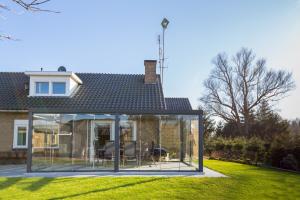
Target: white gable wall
[(73, 85)]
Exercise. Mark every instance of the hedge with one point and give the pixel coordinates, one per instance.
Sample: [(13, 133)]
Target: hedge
[(255, 151)]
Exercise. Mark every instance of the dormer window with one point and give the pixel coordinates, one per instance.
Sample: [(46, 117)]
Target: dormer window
[(58, 88), (51, 83), (42, 87)]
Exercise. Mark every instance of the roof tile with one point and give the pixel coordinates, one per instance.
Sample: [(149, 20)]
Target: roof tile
[(99, 92)]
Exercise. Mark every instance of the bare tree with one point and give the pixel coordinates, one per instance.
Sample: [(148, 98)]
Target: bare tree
[(31, 5), (236, 87)]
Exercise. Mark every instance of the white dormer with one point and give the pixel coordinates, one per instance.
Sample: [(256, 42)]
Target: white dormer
[(52, 83)]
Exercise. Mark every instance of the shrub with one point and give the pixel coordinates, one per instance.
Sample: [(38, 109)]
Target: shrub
[(284, 151), (296, 153), (228, 146), (253, 150), (289, 162), (254, 144), (267, 146), (219, 144), (277, 154), (267, 158), (208, 147), (238, 147)]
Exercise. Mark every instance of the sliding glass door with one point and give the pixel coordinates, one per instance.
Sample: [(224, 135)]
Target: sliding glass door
[(72, 142), (102, 151), (158, 142)]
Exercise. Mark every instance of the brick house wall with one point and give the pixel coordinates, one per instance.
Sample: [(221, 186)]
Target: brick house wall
[(7, 153), (147, 133)]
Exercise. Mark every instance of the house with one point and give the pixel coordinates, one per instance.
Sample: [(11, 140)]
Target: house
[(65, 121)]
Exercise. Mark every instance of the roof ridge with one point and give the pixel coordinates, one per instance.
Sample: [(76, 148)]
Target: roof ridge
[(12, 72), (20, 72), (176, 98), (97, 73)]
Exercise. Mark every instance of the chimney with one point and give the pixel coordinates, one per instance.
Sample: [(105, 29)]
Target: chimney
[(150, 71)]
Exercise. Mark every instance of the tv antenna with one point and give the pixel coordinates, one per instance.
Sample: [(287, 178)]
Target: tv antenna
[(161, 51)]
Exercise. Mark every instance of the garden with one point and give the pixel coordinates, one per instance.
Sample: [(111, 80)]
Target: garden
[(243, 182)]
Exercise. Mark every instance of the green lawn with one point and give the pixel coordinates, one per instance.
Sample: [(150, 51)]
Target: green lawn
[(245, 182)]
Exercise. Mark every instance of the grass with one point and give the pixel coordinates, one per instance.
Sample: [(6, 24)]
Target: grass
[(244, 182)]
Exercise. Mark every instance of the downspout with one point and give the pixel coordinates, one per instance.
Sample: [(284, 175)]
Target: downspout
[(200, 141), (29, 146)]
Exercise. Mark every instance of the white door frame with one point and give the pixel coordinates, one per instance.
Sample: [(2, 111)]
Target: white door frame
[(111, 124)]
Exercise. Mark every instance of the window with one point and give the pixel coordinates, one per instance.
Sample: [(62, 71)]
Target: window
[(41, 87), (20, 134), (128, 130), (58, 87), (45, 136), (21, 131)]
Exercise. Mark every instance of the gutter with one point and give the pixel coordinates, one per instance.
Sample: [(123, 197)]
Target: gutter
[(14, 111)]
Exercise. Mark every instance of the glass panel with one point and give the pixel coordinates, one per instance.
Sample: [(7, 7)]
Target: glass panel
[(102, 151), (78, 142), (66, 142), (42, 87), (159, 142), (21, 136), (189, 143), (148, 141), (59, 88), (72, 142), (170, 147), (45, 142), (195, 140), (128, 144)]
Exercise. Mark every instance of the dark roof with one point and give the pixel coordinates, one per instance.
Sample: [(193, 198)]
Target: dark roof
[(98, 93), (13, 95), (178, 104)]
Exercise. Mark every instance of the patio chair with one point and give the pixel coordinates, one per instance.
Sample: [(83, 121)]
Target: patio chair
[(109, 150), (150, 154), (130, 152), (156, 153), (98, 153)]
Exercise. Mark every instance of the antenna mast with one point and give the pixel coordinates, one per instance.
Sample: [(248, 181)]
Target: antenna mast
[(159, 55), (164, 25)]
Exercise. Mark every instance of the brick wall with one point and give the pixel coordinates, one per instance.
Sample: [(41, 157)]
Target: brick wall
[(150, 71), (7, 153), (148, 132), (170, 138)]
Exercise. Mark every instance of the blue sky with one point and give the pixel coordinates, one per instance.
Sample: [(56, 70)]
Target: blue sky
[(117, 36)]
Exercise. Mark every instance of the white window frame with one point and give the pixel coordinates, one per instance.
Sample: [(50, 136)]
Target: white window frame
[(17, 124), (134, 128), (111, 123), (50, 88), (35, 88), (52, 92)]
